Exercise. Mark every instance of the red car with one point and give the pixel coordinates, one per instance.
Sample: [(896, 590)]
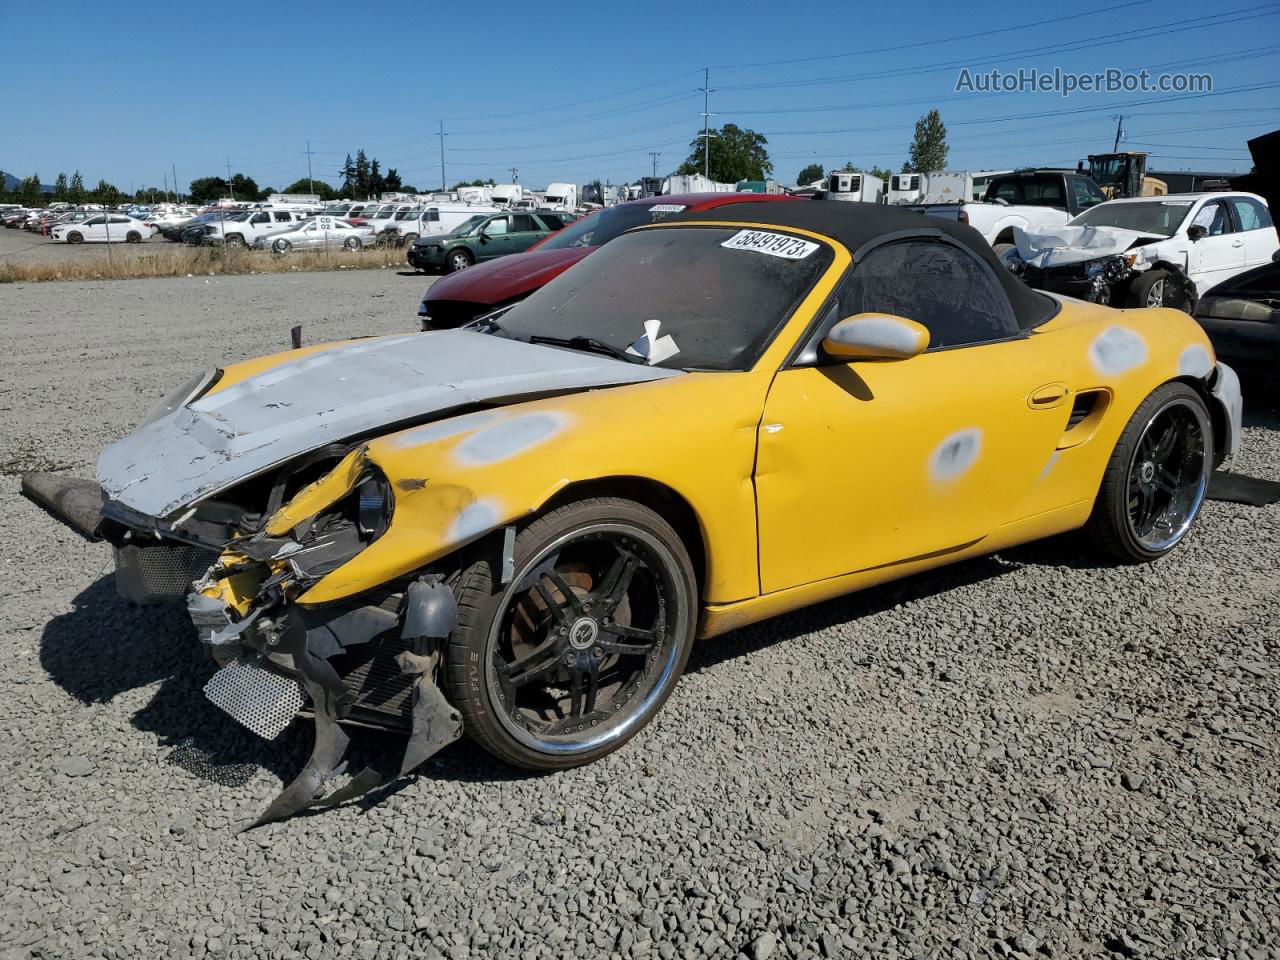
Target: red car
[(460, 297)]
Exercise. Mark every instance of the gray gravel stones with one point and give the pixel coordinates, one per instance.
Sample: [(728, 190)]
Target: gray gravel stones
[(932, 769)]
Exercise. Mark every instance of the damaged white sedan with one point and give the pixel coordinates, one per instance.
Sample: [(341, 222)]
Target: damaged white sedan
[(1148, 251)]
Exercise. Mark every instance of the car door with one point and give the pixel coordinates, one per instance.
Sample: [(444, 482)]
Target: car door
[(867, 463), (1253, 221), (1219, 254), (493, 239), (525, 232), (94, 228)]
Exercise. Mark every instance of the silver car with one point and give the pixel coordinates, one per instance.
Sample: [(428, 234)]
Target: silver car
[(315, 234)]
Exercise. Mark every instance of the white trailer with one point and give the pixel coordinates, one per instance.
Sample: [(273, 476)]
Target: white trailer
[(505, 194), (695, 183), (852, 185), (561, 196), (942, 186)]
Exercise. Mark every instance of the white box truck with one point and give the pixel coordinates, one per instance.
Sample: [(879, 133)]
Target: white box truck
[(851, 185)]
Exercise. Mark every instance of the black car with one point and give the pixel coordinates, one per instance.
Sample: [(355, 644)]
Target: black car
[(1242, 318)]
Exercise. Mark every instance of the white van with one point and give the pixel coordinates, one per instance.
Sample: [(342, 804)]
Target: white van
[(440, 218)]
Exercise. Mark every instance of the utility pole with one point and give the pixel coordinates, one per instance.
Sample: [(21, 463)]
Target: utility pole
[(444, 183), (655, 154), (310, 186), (177, 194), (515, 175), (1119, 132), (706, 122), (230, 189), (166, 185)]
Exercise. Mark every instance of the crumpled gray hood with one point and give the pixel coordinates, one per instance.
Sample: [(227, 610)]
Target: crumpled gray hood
[(236, 433), (1060, 245)]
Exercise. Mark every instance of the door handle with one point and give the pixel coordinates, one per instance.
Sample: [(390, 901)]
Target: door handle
[(1049, 396)]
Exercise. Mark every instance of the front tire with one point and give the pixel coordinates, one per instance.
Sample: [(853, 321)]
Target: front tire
[(75, 236), (1155, 482), (1157, 288), (458, 260), (281, 247), (569, 660)]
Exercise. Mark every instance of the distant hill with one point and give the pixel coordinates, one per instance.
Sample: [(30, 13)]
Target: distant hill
[(12, 183)]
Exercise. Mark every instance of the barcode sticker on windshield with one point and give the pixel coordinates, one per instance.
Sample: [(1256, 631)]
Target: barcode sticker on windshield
[(666, 208), (774, 244)]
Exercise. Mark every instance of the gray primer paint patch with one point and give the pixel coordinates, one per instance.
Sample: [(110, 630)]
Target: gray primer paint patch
[(879, 333), (956, 454), (443, 429), (509, 438), (1117, 350), (1195, 362), (1053, 458), (476, 518)]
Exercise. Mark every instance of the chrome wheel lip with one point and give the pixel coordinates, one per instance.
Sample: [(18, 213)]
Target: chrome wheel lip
[(614, 728), (1194, 492)]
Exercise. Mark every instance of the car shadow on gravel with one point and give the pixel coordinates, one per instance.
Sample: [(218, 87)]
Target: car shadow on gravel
[(709, 653), (106, 647)]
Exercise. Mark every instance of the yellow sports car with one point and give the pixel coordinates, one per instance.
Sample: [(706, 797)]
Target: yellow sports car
[(516, 530)]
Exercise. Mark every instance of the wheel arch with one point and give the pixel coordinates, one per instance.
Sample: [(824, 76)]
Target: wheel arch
[(1219, 417), (1179, 276), (663, 500)]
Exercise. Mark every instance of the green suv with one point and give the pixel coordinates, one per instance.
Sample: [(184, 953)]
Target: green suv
[(485, 236)]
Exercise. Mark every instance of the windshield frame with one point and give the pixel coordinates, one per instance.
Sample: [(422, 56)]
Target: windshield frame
[(805, 305)]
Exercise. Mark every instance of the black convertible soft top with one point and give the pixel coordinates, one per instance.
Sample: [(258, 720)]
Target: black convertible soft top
[(855, 225)]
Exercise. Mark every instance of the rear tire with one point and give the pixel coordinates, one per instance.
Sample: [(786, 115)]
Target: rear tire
[(562, 665), (351, 243), (1155, 482), (133, 237), (235, 240)]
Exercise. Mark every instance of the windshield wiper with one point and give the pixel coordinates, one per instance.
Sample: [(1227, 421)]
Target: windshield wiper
[(590, 344)]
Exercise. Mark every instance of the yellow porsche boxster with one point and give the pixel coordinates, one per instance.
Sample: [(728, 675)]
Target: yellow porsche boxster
[(516, 530)]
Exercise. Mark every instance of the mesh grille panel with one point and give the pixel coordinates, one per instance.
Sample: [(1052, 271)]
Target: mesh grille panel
[(159, 572), (260, 699)]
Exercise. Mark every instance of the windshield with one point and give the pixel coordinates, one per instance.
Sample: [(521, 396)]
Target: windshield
[(1162, 217), (602, 227), (337, 211), (1108, 173), (466, 226), (407, 215), (721, 294)]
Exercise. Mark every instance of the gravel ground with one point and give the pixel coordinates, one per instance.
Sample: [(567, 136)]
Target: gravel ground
[(1019, 756)]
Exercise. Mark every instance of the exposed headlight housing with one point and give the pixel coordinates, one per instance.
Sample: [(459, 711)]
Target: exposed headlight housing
[(189, 392)]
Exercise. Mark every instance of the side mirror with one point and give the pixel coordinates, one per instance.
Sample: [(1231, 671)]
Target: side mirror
[(875, 336), (1196, 232), (482, 236)]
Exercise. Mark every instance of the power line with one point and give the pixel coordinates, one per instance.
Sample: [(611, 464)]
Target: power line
[(980, 35), (1144, 33)]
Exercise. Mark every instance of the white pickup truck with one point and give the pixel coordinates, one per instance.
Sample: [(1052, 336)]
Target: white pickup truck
[(1029, 200), (243, 227)]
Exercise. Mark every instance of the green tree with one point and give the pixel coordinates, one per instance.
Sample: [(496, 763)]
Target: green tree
[(105, 193), (60, 187), (376, 183), (809, 174), (362, 175), (30, 191), (244, 188), (317, 187), (928, 151), (737, 153), (348, 175), (391, 179), (75, 192), (205, 190)]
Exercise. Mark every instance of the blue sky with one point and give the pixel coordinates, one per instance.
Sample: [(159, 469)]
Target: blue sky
[(579, 91)]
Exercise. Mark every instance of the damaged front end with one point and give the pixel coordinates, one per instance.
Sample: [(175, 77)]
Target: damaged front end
[(1105, 280), (371, 660)]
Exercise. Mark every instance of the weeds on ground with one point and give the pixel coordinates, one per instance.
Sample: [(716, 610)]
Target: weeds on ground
[(200, 262)]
